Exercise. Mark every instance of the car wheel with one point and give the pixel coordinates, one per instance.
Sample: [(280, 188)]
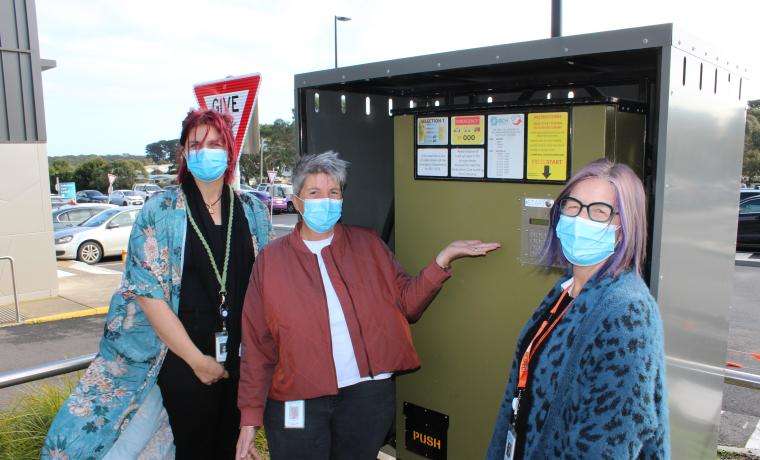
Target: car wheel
[(90, 252), (123, 203), (291, 208)]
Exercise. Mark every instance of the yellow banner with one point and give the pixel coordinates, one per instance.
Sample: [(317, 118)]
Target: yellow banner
[(468, 130), (547, 146)]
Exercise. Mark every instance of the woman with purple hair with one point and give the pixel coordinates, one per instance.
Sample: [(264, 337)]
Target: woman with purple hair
[(588, 377)]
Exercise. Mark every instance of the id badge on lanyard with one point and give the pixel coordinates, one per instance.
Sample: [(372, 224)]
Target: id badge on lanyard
[(509, 446), (220, 338), (220, 345)]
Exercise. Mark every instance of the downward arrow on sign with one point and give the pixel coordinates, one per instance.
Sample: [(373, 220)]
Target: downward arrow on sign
[(547, 172)]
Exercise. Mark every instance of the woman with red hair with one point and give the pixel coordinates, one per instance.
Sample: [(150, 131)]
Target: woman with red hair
[(163, 371)]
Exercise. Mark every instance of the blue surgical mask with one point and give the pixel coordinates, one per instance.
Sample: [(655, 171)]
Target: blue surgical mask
[(585, 242), (322, 214), (207, 165)]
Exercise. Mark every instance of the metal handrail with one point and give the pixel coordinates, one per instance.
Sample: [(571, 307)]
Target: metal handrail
[(730, 376), (13, 281), (31, 374), (52, 369)]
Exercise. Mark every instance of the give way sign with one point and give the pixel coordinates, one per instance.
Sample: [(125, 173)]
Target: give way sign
[(233, 95)]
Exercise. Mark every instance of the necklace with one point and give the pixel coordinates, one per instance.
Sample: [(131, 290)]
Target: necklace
[(210, 206)]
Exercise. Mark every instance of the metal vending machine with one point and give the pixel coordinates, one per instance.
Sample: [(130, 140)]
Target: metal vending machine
[(476, 144)]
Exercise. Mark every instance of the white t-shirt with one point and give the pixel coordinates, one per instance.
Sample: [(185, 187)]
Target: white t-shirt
[(344, 358)]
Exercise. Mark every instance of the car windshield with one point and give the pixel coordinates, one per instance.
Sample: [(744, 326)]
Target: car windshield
[(153, 188), (99, 219), (94, 193), (131, 193)]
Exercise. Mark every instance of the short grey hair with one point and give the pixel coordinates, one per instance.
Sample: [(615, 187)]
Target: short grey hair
[(327, 163)]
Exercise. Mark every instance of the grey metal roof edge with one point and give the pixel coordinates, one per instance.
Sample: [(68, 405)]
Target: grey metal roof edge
[(572, 45), (692, 45)]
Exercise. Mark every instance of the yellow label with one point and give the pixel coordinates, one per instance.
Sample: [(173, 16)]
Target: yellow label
[(547, 146), (468, 130)]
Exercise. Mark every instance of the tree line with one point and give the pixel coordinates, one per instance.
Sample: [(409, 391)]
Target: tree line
[(92, 174)]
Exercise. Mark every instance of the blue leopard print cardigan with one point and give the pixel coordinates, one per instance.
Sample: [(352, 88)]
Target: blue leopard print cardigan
[(598, 390)]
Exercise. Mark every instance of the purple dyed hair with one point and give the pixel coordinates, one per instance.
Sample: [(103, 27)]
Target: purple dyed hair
[(630, 250)]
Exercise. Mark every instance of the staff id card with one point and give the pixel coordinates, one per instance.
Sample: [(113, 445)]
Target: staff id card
[(295, 414), (509, 447), (220, 346)]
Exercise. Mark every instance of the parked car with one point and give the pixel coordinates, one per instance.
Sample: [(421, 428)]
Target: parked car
[(91, 196), (748, 233), (104, 234), (280, 200), (149, 189), (283, 194), (747, 193), (262, 196), (126, 198), (73, 215)]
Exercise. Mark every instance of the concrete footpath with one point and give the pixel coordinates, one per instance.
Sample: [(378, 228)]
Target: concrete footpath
[(83, 290)]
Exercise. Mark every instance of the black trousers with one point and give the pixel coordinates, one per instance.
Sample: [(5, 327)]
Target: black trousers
[(205, 419), (350, 426)]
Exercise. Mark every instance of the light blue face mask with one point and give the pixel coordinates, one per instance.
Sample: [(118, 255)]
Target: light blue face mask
[(207, 165), (321, 214), (585, 242)]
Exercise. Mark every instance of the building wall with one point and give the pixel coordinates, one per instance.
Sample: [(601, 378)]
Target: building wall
[(26, 230)]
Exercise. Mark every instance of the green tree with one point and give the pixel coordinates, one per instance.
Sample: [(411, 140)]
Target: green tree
[(278, 144), (162, 152), (92, 174), (62, 170), (126, 173)]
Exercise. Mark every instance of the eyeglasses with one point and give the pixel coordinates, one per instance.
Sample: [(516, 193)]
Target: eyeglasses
[(598, 212)]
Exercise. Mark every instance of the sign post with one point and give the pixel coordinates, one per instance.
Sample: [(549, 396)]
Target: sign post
[(236, 96), (272, 175)]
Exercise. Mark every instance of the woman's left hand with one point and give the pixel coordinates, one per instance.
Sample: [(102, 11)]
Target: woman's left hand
[(464, 248)]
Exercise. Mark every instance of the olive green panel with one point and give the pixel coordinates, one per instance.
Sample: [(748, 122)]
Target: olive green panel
[(629, 141), (467, 337), (591, 134)]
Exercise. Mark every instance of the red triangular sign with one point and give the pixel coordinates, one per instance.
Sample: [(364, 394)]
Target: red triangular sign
[(235, 95)]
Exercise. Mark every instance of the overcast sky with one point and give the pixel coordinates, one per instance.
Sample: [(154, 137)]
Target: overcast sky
[(126, 69)]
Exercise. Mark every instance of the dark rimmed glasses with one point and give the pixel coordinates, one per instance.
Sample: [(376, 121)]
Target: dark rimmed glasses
[(598, 212)]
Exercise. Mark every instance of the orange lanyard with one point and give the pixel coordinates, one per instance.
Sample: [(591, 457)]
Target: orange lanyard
[(539, 338)]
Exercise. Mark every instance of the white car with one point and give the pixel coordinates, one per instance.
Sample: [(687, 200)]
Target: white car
[(71, 215), (126, 198), (104, 234)]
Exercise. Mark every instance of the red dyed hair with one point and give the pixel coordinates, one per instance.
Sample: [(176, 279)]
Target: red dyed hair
[(222, 122)]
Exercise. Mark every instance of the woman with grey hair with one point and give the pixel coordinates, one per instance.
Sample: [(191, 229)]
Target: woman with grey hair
[(326, 326)]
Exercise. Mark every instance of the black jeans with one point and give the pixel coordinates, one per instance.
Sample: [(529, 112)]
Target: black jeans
[(350, 426)]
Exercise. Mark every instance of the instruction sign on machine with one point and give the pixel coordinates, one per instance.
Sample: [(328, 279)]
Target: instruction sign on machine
[(494, 147)]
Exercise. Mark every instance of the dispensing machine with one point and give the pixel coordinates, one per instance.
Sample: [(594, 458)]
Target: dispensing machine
[(477, 143)]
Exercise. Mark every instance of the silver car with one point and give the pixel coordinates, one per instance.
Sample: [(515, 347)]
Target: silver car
[(104, 234), (126, 198), (73, 215)]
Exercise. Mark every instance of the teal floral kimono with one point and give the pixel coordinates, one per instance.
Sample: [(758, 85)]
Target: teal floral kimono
[(120, 384)]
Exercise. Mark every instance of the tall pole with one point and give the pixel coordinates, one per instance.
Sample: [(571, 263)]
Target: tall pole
[(335, 34), (556, 18)]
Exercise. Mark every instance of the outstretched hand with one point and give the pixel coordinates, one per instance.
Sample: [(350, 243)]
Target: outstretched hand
[(464, 248)]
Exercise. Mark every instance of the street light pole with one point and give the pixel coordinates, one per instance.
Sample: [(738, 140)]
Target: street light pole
[(335, 34)]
